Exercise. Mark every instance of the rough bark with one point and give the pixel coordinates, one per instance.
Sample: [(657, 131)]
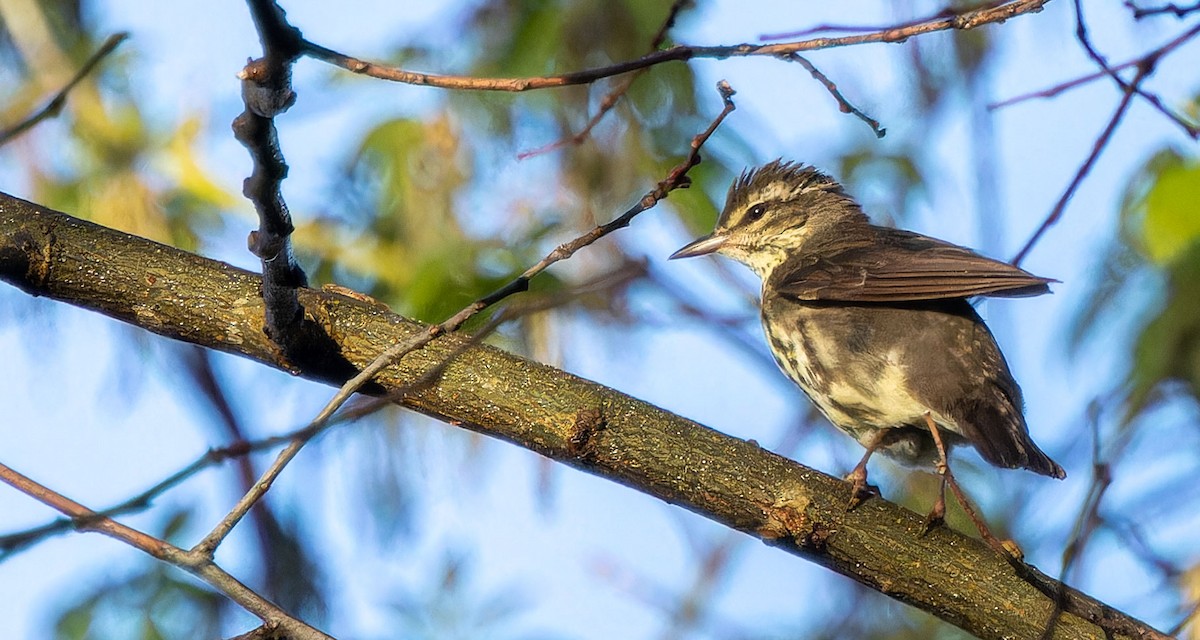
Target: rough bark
[(559, 415)]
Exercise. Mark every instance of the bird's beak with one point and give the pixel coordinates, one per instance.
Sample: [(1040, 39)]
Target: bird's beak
[(700, 246)]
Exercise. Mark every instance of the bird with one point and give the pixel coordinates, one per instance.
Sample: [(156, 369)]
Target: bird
[(876, 326)]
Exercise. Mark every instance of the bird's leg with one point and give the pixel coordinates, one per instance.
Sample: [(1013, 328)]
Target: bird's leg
[(859, 489), (938, 513), (935, 517)]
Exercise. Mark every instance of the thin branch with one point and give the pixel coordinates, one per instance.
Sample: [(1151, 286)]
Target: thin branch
[(1060, 88), (507, 314), (1179, 11), (55, 105), (296, 441), (611, 99), (199, 566), (14, 542), (968, 20), (843, 104), (1149, 60), (1143, 69), (208, 545), (948, 12)]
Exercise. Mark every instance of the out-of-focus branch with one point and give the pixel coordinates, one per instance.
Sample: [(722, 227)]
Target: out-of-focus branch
[(1170, 8), (1147, 62), (1144, 68), (55, 105), (1104, 73), (15, 542), (196, 564)]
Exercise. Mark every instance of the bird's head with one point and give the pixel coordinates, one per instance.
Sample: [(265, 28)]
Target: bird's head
[(774, 212)]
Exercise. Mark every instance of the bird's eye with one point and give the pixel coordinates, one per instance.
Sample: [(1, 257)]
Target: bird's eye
[(756, 212)]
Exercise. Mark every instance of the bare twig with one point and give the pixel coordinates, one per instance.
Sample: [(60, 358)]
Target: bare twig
[(55, 105), (200, 566), (968, 20), (1143, 12), (17, 541), (1149, 59), (948, 12), (1144, 68), (613, 97), (843, 104)]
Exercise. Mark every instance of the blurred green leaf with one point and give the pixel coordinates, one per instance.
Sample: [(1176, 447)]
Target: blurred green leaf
[(1159, 241), (1171, 222), (1168, 348)]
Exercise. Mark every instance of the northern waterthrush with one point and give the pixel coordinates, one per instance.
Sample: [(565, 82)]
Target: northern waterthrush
[(874, 323)]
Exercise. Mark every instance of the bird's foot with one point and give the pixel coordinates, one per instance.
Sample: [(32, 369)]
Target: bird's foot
[(937, 515), (859, 489)]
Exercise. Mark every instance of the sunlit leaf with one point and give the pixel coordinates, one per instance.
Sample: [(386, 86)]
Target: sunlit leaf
[(1172, 213)]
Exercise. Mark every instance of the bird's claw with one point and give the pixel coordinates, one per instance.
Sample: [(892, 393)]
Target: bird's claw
[(935, 519), (860, 490)]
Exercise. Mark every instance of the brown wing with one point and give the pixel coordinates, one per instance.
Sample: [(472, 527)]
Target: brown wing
[(904, 267)]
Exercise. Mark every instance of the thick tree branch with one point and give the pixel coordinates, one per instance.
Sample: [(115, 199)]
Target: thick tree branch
[(573, 421)]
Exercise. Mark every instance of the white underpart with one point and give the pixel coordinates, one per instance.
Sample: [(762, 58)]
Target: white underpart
[(886, 397)]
